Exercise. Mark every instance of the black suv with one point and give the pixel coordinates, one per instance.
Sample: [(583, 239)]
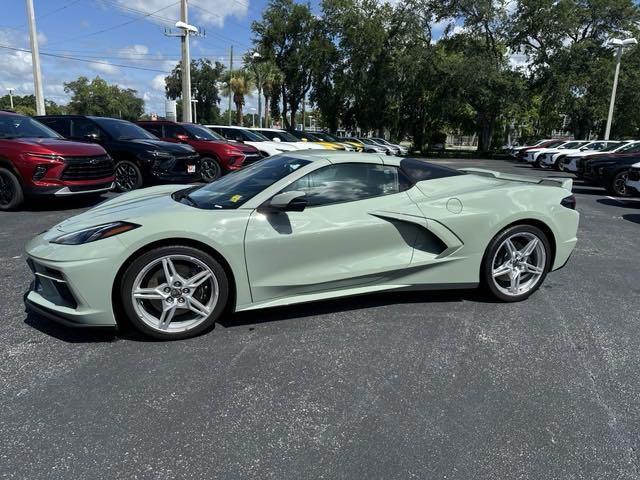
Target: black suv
[(141, 158)]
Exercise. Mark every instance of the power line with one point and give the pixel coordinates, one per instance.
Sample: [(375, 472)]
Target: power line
[(45, 15), (113, 27), (85, 60)]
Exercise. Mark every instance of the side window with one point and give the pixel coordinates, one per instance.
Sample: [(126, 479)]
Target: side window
[(348, 182), (60, 125), (83, 128), (156, 129), (172, 131)]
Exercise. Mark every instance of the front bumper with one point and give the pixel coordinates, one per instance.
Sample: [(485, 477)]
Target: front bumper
[(73, 283), (72, 189)]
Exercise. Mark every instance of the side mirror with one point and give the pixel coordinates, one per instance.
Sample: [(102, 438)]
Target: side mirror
[(294, 201), (182, 137), (276, 139), (304, 139)]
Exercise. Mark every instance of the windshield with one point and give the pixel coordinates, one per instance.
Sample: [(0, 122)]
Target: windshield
[(366, 141), (282, 135), (123, 130), (325, 136), (201, 133), (572, 145), (232, 191), (631, 148), (16, 126), (255, 136), (612, 147)]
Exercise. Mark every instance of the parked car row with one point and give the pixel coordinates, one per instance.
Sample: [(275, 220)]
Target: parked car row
[(63, 155), (604, 163)]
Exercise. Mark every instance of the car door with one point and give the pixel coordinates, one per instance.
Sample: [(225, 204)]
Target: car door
[(348, 235)]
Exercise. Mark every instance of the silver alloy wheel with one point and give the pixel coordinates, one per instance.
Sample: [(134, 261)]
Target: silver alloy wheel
[(518, 264), (175, 293)]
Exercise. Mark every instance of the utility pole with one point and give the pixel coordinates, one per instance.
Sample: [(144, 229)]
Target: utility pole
[(185, 31), (35, 59), (10, 97), (230, 70), (186, 65)]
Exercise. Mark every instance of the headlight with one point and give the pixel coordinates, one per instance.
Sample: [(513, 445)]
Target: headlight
[(159, 154), (94, 233)]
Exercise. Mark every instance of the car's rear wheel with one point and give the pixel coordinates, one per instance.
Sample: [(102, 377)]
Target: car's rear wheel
[(174, 292), (559, 165), (210, 169), (128, 176), (618, 185), (516, 263), (11, 194)]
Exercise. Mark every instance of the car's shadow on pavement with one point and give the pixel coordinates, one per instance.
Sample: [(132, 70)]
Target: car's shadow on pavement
[(267, 315), (57, 204), (353, 303), (620, 202), (632, 217)]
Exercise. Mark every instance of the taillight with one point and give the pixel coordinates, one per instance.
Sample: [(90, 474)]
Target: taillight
[(569, 202)]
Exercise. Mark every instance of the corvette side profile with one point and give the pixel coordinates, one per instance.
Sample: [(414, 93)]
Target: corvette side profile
[(298, 227)]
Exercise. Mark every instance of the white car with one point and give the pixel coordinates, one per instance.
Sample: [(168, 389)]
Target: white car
[(401, 150), (570, 162), (533, 153), (633, 179), (513, 151), (589, 148), (284, 137), (255, 139), (547, 158)]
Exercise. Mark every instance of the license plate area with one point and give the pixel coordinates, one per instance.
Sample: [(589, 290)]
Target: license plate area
[(191, 169)]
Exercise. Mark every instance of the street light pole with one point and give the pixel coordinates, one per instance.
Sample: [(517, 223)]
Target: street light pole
[(255, 57), (10, 97), (35, 59), (620, 44)]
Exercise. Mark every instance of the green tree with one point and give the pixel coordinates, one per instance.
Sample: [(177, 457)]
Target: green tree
[(205, 78), (285, 35), (97, 97), (239, 84)]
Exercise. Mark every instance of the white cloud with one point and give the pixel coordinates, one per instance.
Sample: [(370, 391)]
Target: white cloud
[(206, 12), (158, 82), (134, 52), (105, 68)]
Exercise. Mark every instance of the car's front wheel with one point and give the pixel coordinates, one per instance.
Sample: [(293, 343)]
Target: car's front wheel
[(618, 185), (128, 176), (11, 194), (210, 169), (174, 292), (516, 263)]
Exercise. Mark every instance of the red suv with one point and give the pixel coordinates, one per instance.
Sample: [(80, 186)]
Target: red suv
[(35, 160), (218, 156)]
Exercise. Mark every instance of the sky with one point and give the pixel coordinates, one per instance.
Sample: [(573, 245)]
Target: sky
[(122, 41), (107, 37)]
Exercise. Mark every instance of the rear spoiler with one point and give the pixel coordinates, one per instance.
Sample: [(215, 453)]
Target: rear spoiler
[(562, 182)]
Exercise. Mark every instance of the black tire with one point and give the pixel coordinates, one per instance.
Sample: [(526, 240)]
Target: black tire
[(11, 194), (617, 186), (559, 165), (128, 176), (145, 259), (486, 276), (210, 169)]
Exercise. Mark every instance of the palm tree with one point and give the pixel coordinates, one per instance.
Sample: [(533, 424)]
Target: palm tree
[(271, 77), (238, 83)]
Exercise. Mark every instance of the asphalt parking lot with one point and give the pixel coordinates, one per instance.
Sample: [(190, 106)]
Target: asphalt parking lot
[(412, 385)]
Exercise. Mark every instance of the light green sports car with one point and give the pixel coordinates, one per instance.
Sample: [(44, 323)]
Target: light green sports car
[(299, 227)]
